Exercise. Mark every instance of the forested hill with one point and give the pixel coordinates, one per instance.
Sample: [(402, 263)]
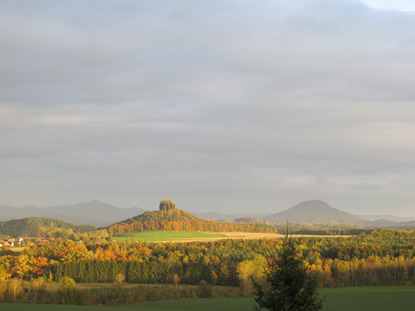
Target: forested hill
[(33, 227), (170, 218)]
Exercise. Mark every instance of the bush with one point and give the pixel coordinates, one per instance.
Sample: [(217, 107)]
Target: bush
[(14, 289), (67, 284), (119, 280), (38, 284), (68, 295), (204, 289)]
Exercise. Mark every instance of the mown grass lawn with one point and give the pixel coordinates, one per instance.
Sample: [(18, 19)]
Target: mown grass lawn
[(154, 236), (397, 298)]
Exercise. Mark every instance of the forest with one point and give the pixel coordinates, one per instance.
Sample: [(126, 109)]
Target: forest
[(383, 257)]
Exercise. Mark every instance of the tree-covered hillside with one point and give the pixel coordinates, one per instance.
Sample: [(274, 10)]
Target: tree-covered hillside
[(170, 218), (33, 227)]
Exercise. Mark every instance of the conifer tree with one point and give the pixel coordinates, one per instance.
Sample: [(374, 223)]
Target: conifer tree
[(288, 286)]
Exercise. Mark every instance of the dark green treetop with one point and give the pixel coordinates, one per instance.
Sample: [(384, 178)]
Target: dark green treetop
[(288, 286)]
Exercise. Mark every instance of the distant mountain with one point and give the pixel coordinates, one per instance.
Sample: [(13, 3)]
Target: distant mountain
[(34, 226), (220, 216), (315, 212), (89, 213)]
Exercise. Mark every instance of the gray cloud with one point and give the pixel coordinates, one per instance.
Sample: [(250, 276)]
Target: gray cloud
[(234, 105)]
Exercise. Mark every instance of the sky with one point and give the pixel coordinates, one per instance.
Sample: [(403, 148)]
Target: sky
[(226, 106)]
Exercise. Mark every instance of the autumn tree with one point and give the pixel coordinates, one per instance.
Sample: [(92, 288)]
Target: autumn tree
[(249, 270), (20, 265), (176, 280), (288, 286)]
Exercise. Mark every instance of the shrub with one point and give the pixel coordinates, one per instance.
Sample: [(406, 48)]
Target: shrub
[(67, 284), (38, 284), (14, 289), (119, 280), (204, 289)]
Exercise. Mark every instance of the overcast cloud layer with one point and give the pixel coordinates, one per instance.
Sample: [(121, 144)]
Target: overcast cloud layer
[(218, 105)]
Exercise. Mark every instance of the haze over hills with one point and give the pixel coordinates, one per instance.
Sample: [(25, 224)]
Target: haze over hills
[(315, 212), (386, 217), (89, 213), (220, 216), (101, 214)]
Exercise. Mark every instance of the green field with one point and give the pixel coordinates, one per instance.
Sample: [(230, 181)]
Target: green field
[(399, 298), (382, 298), (154, 236)]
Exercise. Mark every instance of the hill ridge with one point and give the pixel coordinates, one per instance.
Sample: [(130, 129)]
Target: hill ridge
[(93, 212), (34, 226), (174, 219)]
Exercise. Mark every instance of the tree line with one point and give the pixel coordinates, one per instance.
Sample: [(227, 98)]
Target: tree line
[(383, 257)]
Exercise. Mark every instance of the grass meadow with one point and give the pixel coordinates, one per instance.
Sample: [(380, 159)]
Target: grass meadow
[(154, 236), (400, 298), (189, 236)]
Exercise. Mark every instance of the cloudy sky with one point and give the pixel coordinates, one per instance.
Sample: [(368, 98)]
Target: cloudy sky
[(217, 105)]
